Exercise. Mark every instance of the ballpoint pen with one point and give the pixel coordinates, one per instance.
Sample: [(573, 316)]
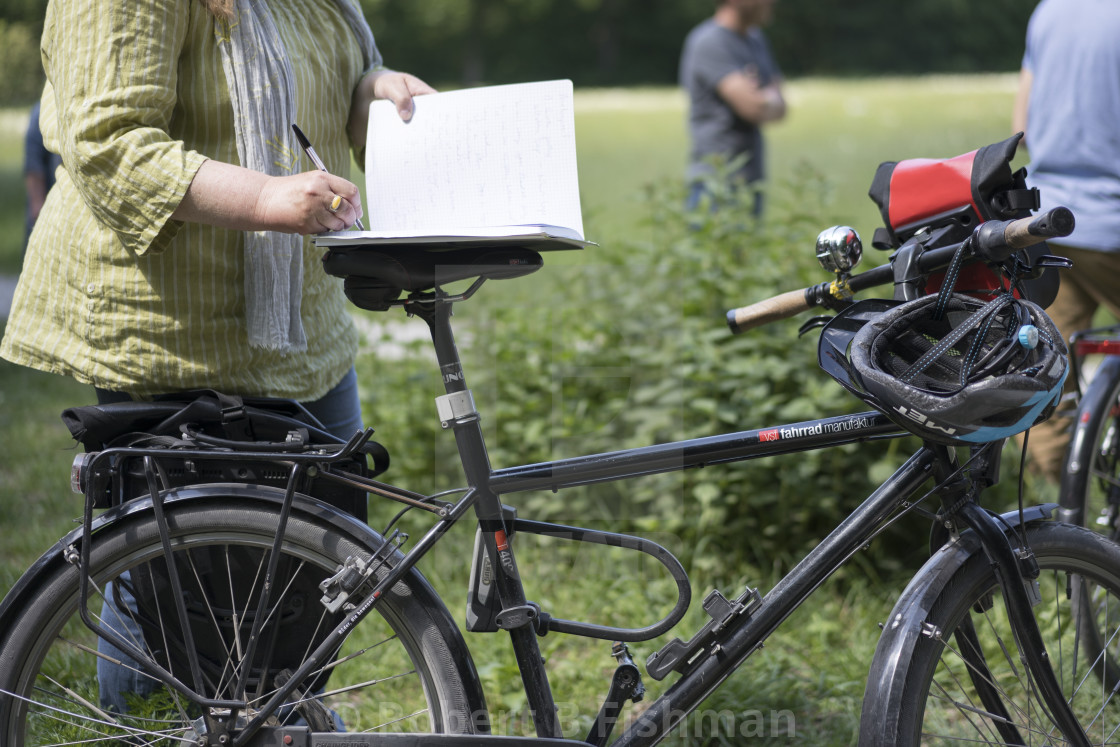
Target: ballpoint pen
[(303, 141)]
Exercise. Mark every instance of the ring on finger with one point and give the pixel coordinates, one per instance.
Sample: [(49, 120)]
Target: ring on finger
[(335, 203)]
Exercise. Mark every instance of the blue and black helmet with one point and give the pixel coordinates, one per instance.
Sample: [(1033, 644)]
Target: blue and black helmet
[(952, 369)]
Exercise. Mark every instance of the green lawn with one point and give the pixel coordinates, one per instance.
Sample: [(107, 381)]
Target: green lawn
[(627, 140), (842, 129)]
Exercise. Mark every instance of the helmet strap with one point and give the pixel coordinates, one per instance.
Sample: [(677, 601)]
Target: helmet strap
[(981, 318)]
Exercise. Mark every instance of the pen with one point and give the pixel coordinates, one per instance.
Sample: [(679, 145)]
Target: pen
[(303, 141)]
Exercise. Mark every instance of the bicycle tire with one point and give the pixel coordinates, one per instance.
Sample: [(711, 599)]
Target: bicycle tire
[(928, 673), (48, 682), (1090, 483)]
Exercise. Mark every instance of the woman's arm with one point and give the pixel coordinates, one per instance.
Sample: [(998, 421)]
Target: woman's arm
[(241, 199)]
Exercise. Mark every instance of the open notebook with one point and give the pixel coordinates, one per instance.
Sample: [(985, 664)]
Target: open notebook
[(476, 166)]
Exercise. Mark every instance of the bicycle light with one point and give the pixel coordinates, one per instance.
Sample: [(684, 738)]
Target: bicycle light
[(839, 249), (79, 471)]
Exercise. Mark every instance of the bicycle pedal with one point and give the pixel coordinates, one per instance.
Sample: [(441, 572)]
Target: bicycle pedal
[(483, 604)]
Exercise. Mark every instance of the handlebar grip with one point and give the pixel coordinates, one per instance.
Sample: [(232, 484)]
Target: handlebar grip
[(782, 306), (1025, 232), (996, 240)]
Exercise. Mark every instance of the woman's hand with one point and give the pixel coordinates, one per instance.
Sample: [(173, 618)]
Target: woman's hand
[(311, 202), (400, 88), (241, 199)]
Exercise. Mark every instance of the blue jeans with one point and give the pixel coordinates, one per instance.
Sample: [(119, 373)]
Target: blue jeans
[(698, 190), (115, 680), (340, 412)]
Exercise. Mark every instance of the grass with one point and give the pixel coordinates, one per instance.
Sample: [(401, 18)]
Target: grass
[(814, 668)]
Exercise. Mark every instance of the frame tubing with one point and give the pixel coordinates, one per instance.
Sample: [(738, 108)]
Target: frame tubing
[(815, 434), (698, 452), (488, 508), (749, 633)]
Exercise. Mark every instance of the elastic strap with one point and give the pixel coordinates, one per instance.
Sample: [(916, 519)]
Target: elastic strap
[(981, 336), (952, 272), (980, 317)]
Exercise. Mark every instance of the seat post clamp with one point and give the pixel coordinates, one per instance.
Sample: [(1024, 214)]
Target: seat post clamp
[(456, 408)]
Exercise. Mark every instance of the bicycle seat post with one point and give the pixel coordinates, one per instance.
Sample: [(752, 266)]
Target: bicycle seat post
[(457, 412)]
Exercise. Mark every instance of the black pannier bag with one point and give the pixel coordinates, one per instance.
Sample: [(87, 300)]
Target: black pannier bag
[(223, 577), (207, 419), (959, 193)]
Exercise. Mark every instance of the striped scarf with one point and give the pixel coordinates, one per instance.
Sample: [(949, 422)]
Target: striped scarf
[(262, 91)]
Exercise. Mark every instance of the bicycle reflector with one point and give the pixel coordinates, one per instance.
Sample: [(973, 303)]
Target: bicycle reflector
[(1097, 347), (960, 372), (79, 471)]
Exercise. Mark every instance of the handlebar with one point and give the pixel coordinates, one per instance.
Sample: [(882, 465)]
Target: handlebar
[(993, 241), (998, 239)]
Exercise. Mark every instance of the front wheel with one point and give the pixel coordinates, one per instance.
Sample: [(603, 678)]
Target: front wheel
[(400, 670), (948, 670)]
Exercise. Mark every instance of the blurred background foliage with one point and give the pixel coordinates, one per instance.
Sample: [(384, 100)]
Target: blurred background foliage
[(628, 42)]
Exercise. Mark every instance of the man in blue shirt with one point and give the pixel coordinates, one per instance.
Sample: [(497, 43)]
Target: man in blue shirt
[(734, 85), (1069, 107)]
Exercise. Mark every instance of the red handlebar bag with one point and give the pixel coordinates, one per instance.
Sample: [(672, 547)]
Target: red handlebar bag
[(933, 192), (958, 193)]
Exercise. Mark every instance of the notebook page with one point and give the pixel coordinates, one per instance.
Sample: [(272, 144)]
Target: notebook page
[(493, 156)]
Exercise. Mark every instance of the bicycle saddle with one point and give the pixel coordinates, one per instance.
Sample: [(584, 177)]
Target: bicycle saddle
[(374, 278)]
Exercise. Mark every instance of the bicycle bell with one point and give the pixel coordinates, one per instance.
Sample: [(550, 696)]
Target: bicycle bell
[(839, 249)]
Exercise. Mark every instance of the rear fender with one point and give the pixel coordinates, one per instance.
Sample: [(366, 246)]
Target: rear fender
[(51, 561)]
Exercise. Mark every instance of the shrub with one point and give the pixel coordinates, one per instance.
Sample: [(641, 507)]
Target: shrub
[(19, 59)]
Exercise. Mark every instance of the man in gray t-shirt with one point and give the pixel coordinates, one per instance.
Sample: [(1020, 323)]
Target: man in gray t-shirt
[(733, 85)]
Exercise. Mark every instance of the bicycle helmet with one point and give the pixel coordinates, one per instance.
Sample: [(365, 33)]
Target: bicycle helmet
[(950, 368)]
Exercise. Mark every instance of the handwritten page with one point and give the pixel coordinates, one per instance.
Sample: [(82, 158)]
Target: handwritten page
[(499, 157)]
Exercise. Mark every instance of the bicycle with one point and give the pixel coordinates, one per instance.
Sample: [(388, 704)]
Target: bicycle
[(1090, 480), (218, 569)]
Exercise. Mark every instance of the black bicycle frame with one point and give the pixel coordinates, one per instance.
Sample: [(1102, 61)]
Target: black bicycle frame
[(488, 485), (738, 640), (748, 631)]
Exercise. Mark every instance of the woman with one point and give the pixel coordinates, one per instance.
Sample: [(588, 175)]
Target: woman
[(171, 253), (168, 257)]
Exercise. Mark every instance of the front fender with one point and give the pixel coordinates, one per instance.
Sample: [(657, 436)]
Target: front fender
[(890, 666)]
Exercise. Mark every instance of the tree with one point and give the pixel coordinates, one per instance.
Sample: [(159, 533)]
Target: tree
[(633, 42)]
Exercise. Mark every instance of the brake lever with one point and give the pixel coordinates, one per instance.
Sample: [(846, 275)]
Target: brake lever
[(1043, 262), (813, 323), (1052, 260)]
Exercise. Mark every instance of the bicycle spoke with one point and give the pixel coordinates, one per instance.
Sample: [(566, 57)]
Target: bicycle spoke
[(402, 719), (987, 678), (86, 722)]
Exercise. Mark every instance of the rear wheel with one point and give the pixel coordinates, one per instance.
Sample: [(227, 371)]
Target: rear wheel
[(1090, 487), (399, 670)]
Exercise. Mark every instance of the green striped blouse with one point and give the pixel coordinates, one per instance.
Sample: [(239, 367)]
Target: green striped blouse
[(113, 291)]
